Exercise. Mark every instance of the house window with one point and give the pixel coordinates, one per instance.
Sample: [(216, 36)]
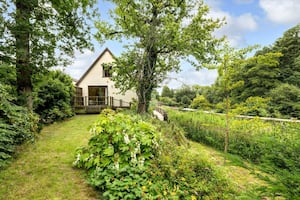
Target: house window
[(97, 95), (106, 70)]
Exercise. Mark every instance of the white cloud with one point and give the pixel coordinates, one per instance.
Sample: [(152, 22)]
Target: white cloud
[(281, 12), (81, 64), (191, 77), (245, 22), (235, 27)]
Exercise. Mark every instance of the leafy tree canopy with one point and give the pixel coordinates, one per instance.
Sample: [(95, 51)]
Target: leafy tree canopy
[(167, 92), (162, 31), (39, 34), (285, 98), (200, 102), (289, 46)]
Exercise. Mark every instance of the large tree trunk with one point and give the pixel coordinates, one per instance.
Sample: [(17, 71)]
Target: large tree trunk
[(141, 107), (147, 81), (144, 96), (22, 36)]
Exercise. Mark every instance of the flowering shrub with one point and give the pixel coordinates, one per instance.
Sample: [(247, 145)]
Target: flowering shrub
[(126, 159), (119, 155)]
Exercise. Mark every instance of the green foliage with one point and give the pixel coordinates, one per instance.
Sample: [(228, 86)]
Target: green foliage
[(263, 75), (185, 101), (253, 106), (186, 91), (189, 176), (167, 92), (240, 78), (285, 99), (260, 74), (127, 160), (54, 25), (39, 35), (17, 125), (7, 74), (274, 146), (168, 101), (161, 36), (289, 46), (119, 155), (186, 176), (53, 96), (200, 102)]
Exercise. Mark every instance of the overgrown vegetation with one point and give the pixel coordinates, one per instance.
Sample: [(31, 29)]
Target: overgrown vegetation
[(127, 159), (53, 102), (275, 146), (17, 124)]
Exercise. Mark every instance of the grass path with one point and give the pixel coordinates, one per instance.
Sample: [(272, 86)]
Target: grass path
[(245, 176), (43, 170)]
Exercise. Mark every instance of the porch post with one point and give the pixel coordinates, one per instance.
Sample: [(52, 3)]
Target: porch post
[(85, 101)]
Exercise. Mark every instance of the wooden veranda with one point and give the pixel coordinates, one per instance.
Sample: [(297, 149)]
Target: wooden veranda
[(94, 104)]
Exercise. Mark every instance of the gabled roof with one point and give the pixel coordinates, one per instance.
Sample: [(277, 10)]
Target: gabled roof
[(94, 63)]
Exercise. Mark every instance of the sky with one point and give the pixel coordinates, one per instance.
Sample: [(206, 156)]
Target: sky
[(248, 22)]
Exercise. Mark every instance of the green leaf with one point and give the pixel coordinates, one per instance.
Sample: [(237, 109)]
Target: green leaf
[(109, 151)]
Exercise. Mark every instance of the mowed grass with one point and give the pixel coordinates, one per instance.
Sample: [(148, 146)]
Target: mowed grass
[(43, 170)]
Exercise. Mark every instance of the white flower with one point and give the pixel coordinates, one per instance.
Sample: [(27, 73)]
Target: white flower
[(117, 166), (154, 142), (141, 162), (138, 147), (126, 139), (77, 159), (133, 157)]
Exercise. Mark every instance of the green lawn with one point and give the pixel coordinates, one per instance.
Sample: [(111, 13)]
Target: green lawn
[(43, 170)]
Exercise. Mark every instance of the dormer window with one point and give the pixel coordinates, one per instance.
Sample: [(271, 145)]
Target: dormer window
[(106, 70)]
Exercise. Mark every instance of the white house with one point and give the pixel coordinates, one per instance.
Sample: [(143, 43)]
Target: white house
[(95, 87)]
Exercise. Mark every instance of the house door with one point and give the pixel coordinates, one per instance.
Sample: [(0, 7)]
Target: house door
[(97, 95)]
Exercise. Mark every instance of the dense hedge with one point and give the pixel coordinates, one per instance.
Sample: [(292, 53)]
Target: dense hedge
[(17, 125), (53, 93), (126, 159), (274, 146)]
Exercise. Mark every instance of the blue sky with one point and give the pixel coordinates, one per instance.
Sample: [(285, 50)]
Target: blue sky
[(249, 22)]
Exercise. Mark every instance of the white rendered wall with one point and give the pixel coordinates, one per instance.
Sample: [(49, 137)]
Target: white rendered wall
[(95, 78)]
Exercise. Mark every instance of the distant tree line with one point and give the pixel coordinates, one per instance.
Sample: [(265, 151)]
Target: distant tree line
[(265, 84)]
